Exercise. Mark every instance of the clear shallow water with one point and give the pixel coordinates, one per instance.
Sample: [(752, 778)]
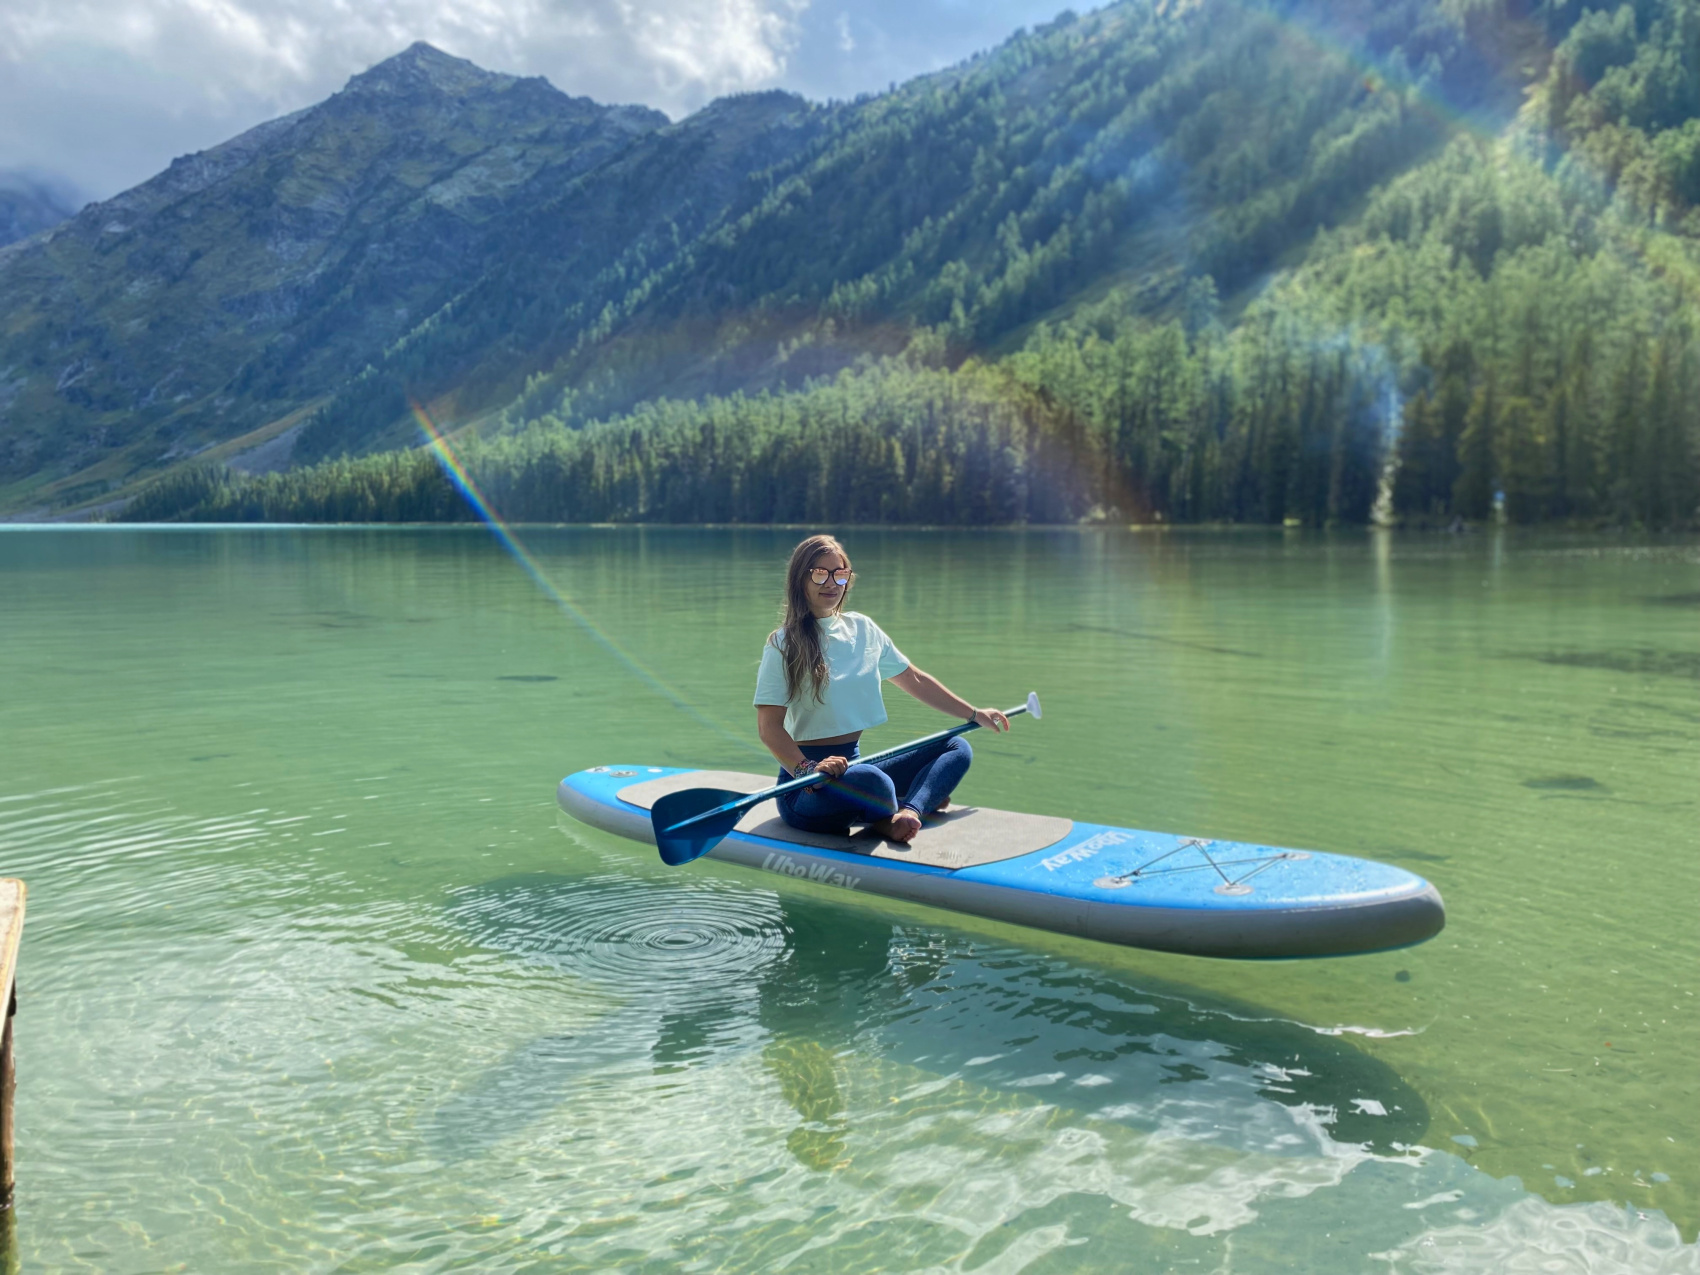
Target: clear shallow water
[(313, 981)]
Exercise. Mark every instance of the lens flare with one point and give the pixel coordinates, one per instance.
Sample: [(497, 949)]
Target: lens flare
[(458, 474)]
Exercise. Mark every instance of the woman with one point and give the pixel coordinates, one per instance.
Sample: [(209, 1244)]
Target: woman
[(819, 689)]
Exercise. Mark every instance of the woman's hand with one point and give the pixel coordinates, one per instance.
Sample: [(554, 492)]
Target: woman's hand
[(831, 768), (827, 768), (991, 719)]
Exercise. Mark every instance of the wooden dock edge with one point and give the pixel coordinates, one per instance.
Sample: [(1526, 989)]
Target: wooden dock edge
[(11, 933)]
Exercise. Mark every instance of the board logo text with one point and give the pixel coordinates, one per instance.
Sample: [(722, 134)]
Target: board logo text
[(1086, 849), (825, 873)]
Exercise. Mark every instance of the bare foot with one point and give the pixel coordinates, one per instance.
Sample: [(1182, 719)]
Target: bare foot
[(902, 826)]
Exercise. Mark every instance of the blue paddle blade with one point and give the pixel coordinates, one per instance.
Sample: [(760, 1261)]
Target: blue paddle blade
[(698, 839)]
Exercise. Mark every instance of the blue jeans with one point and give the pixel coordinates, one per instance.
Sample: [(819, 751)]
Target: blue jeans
[(868, 793)]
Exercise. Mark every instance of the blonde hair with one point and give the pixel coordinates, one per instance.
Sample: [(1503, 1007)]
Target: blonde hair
[(798, 635)]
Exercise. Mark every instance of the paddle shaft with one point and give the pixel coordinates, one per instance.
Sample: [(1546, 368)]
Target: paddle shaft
[(810, 780)]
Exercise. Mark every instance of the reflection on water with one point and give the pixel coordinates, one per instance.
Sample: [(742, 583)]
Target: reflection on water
[(704, 970), (312, 981)]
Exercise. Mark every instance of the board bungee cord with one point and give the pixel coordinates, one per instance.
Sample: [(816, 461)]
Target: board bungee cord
[(1230, 885)]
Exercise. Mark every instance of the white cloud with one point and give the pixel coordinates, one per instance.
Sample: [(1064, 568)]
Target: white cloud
[(107, 91)]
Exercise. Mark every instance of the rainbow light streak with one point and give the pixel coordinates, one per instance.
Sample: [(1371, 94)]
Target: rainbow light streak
[(458, 474)]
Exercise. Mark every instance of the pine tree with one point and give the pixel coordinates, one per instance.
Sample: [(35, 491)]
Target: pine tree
[(1422, 479), (1523, 461), (1473, 490), (1624, 427)]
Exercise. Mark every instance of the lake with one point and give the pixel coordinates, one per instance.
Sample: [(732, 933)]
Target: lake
[(315, 979)]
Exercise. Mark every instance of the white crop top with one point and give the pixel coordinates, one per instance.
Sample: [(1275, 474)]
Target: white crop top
[(859, 656)]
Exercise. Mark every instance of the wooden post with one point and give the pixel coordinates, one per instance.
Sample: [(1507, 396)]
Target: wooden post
[(11, 931), (8, 1100)]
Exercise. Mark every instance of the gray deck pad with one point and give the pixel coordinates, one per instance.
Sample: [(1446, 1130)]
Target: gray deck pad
[(959, 838)]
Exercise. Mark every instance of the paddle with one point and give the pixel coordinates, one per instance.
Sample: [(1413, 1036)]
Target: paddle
[(690, 823)]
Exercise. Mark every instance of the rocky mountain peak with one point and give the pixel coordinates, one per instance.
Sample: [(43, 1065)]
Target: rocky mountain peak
[(424, 67)]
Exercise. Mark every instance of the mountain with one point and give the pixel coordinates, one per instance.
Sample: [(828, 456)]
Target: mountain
[(1309, 261), (1145, 144), (468, 237), (561, 260), (31, 202), (304, 247)]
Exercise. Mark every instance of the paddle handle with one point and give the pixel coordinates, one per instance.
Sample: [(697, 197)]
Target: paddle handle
[(810, 780)]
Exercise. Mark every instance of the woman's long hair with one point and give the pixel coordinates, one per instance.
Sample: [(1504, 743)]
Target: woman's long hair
[(798, 635)]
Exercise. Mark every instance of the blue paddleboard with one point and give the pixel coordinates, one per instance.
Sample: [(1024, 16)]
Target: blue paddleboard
[(1118, 885)]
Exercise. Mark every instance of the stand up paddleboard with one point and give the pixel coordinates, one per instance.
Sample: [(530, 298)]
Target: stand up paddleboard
[(1117, 885)]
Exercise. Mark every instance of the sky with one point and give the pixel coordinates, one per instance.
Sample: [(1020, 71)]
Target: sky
[(105, 93)]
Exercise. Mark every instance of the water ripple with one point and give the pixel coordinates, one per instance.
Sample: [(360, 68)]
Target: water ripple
[(627, 934)]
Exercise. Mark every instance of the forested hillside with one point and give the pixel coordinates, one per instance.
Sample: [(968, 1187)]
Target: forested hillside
[(1130, 143), (1314, 263)]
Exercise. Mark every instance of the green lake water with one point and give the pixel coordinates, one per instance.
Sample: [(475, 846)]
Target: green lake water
[(314, 980)]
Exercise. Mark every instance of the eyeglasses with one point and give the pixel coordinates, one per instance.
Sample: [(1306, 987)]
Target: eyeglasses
[(820, 575)]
